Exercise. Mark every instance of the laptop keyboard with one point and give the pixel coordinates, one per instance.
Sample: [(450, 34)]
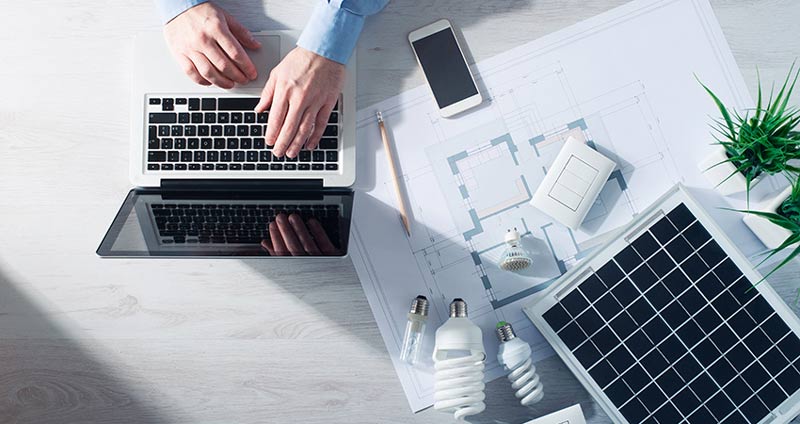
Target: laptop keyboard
[(233, 224), (224, 134)]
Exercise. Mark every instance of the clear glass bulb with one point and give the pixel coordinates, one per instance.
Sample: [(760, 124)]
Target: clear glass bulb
[(415, 330)]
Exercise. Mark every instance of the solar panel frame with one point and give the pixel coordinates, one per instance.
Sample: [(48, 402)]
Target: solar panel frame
[(726, 269)]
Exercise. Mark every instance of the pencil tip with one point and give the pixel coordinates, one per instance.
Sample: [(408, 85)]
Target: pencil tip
[(379, 115)]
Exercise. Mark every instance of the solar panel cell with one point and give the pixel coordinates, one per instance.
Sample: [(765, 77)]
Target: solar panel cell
[(723, 338), (754, 410), (722, 372), (711, 253), (692, 300), (686, 401), (694, 267), (593, 288), (690, 333), (670, 383), (725, 304), (790, 346), (740, 357), (703, 386), (755, 375), (688, 367), (623, 325), (757, 342), (675, 315), (676, 282), (625, 292), (679, 249), (759, 309), (643, 278), (661, 264), (727, 272), (589, 321), (706, 352), (557, 317), (587, 354), (636, 378), (634, 411), (658, 295), (620, 359), (575, 303), (720, 406), (652, 398), (602, 373), (654, 363), (735, 418), (710, 286), (628, 259), (672, 349), (774, 361), (618, 392), (605, 340), (641, 311), (656, 329), (738, 390), (697, 235), (701, 416), (708, 319), (667, 414), (771, 395), (572, 335), (610, 274), (789, 380), (607, 306), (645, 245), (663, 230), (681, 216), (639, 344), (742, 323)]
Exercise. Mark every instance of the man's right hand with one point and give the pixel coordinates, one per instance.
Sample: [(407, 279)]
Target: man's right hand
[(209, 45)]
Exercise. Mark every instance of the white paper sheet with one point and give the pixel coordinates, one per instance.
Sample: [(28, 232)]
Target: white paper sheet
[(623, 81)]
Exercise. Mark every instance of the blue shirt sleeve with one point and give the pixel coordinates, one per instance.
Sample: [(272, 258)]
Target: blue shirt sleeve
[(169, 9), (335, 25)]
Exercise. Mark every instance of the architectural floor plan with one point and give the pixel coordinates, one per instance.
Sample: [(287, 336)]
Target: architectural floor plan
[(469, 179)]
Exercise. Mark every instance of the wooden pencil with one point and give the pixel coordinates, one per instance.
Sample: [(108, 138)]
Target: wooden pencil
[(401, 201)]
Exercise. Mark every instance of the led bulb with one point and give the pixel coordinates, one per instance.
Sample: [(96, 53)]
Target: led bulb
[(458, 358), (515, 258)]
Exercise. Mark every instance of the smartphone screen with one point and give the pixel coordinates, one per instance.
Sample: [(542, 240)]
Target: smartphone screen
[(445, 68)]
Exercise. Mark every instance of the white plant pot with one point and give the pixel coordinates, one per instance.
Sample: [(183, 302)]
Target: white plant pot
[(770, 234), (722, 174)]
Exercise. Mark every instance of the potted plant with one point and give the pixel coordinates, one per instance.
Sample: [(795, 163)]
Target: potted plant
[(777, 224), (750, 147)]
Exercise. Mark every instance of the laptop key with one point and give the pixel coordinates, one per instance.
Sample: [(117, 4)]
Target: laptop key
[(255, 130), (208, 167), (216, 130), (183, 118), (225, 156), (173, 156), (233, 143), (332, 156), (258, 143), (180, 143), (223, 117), (180, 167), (305, 156), (212, 156), (252, 156), (163, 130), (177, 131), (236, 118), (162, 118), (247, 143), (155, 101), (235, 167), (329, 144), (203, 130), (194, 166), (317, 167), (197, 118), (186, 156), (334, 118), (249, 117), (318, 156), (331, 131), (193, 143), (205, 143), (190, 130), (199, 156), (152, 131), (260, 167), (210, 118), (276, 167), (221, 167), (154, 143), (304, 167), (238, 156), (166, 143), (262, 118), (331, 167), (249, 167), (237, 103), (194, 104), (180, 101), (265, 156), (209, 103), (153, 167), (242, 130), (290, 167), (168, 104), (230, 130), (219, 143)]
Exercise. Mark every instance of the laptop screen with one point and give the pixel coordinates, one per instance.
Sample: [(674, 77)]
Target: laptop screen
[(153, 224)]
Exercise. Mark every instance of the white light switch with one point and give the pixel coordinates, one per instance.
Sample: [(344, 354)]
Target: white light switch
[(572, 183)]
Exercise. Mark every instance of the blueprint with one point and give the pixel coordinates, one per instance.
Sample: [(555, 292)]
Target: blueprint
[(622, 82)]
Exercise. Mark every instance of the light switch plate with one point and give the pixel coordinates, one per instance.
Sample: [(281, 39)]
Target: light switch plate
[(572, 183)]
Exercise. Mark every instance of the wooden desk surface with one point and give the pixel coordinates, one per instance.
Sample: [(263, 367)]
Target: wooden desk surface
[(222, 341)]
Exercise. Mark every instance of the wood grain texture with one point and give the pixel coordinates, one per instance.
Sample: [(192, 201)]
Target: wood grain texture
[(85, 340)]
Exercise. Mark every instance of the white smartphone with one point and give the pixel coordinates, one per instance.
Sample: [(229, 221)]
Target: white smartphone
[(445, 68)]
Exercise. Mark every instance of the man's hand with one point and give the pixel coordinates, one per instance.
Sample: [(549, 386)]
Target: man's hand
[(292, 237), (208, 44), (301, 92)]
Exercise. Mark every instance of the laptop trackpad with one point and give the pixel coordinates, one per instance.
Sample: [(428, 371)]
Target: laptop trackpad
[(265, 58)]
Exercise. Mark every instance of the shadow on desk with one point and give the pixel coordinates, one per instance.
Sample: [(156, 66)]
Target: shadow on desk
[(47, 377)]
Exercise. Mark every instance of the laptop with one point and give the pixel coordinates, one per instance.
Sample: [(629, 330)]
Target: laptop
[(206, 183)]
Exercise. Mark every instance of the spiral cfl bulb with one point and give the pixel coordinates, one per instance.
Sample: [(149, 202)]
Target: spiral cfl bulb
[(514, 258), (458, 357), (515, 356)]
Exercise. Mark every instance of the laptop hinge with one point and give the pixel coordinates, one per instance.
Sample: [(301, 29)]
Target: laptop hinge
[(250, 186)]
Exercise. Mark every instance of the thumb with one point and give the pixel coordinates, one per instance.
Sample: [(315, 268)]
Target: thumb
[(241, 33)]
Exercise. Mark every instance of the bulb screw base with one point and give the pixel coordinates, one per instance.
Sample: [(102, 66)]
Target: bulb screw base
[(420, 306), (505, 332), (458, 308)]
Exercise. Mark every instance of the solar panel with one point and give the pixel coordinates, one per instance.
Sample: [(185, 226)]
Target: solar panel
[(663, 325)]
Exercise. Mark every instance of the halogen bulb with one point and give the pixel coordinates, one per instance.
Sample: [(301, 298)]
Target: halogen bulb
[(415, 330), (515, 258)]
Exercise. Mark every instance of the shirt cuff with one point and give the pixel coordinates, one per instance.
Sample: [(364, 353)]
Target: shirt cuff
[(170, 9), (331, 32)]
